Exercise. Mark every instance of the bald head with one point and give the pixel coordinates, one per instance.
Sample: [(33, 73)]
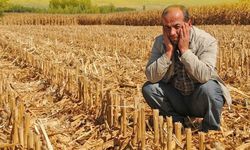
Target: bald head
[(178, 9)]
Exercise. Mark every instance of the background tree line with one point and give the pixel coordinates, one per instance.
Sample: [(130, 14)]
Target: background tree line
[(63, 6)]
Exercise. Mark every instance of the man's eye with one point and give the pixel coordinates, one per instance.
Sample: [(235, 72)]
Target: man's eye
[(178, 27), (167, 28)]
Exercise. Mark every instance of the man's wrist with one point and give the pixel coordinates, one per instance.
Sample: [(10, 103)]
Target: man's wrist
[(183, 50), (169, 54), (185, 54)]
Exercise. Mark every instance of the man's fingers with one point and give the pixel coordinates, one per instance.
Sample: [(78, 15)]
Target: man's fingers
[(163, 31), (165, 36), (185, 30), (181, 34)]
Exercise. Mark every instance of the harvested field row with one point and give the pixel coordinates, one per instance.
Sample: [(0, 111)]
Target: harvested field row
[(98, 48)]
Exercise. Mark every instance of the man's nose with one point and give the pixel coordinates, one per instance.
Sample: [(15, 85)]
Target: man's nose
[(172, 31)]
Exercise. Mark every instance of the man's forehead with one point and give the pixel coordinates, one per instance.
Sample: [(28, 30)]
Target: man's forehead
[(174, 11), (173, 14), (173, 22)]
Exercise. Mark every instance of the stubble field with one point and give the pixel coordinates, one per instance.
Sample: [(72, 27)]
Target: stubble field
[(79, 87)]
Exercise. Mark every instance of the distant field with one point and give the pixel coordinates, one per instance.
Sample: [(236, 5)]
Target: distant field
[(32, 3), (150, 4), (155, 4)]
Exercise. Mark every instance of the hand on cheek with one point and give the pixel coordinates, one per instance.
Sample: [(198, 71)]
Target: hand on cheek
[(168, 44), (183, 44)]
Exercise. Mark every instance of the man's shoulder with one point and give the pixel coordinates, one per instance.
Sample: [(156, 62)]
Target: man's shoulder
[(159, 38), (202, 35)]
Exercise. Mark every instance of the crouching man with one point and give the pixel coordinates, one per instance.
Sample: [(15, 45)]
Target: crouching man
[(181, 73)]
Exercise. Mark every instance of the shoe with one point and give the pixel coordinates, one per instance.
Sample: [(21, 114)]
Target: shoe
[(193, 123)]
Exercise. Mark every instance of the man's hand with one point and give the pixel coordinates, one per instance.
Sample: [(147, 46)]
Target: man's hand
[(183, 44), (168, 44)]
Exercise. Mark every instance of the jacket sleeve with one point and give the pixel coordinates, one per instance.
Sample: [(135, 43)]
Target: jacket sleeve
[(201, 66), (158, 63)]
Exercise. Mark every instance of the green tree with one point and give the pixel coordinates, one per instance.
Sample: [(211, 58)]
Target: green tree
[(3, 5), (70, 6), (81, 6), (107, 8), (55, 4)]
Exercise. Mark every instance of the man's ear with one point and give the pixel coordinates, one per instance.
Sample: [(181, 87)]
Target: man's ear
[(190, 22)]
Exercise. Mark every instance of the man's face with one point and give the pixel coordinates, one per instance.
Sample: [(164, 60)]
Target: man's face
[(172, 24)]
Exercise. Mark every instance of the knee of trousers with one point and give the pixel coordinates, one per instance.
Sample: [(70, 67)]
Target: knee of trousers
[(147, 89), (212, 91)]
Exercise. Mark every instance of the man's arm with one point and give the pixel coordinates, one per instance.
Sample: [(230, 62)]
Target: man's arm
[(201, 67), (158, 63)]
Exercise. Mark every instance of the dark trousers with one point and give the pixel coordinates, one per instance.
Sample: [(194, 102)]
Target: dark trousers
[(205, 102)]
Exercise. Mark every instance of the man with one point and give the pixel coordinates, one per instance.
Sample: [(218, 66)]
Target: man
[(181, 72)]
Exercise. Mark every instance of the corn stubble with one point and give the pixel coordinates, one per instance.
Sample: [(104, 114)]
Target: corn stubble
[(95, 74)]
